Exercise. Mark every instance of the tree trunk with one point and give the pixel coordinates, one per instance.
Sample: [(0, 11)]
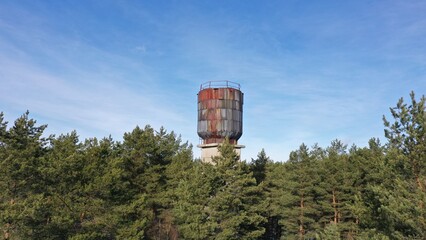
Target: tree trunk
[(301, 229), (419, 183), (6, 231), (336, 213)]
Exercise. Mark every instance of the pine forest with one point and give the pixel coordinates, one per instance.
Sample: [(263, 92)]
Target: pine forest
[(151, 186)]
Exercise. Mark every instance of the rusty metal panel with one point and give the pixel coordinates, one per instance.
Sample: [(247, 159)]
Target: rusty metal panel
[(219, 114)]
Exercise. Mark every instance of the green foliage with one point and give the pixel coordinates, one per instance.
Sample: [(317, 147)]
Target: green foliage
[(192, 211), (222, 200), (149, 187), (234, 207), (330, 232), (301, 207), (258, 166), (23, 197), (407, 135)]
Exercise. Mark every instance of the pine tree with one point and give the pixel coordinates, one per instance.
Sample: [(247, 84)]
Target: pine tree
[(392, 203), (367, 169), (142, 170), (194, 193), (338, 180), (407, 153), (274, 198), (63, 174), (23, 204), (302, 210), (234, 206), (407, 134), (258, 166)]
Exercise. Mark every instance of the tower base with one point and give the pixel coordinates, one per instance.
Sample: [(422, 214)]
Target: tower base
[(210, 150)]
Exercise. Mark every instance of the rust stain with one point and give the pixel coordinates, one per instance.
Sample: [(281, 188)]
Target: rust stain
[(220, 112)]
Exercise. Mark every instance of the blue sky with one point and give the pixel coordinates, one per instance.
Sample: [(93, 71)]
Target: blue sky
[(311, 71)]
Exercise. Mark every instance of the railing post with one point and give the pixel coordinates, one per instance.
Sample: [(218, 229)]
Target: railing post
[(219, 84)]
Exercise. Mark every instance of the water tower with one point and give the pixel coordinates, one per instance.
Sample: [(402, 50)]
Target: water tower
[(220, 116)]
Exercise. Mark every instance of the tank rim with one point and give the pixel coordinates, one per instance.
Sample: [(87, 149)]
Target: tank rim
[(220, 84)]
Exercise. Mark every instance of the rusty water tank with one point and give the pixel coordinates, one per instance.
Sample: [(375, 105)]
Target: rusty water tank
[(220, 112)]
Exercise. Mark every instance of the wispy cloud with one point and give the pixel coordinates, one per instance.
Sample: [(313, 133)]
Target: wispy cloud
[(310, 72), (337, 87), (89, 89), (101, 106)]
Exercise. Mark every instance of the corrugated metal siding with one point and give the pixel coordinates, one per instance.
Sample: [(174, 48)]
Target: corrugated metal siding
[(220, 114)]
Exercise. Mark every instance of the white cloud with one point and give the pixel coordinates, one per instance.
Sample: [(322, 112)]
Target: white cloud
[(141, 49), (308, 77)]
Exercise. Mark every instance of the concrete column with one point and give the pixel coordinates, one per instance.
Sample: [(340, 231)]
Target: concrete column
[(208, 151)]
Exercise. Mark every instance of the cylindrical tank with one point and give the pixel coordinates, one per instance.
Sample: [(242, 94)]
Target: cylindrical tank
[(220, 112)]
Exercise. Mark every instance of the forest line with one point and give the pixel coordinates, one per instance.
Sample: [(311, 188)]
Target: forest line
[(150, 186)]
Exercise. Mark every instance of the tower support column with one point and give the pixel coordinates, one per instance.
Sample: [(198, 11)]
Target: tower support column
[(211, 150)]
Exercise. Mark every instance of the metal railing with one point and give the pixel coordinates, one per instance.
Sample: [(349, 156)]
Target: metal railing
[(220, 84)]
